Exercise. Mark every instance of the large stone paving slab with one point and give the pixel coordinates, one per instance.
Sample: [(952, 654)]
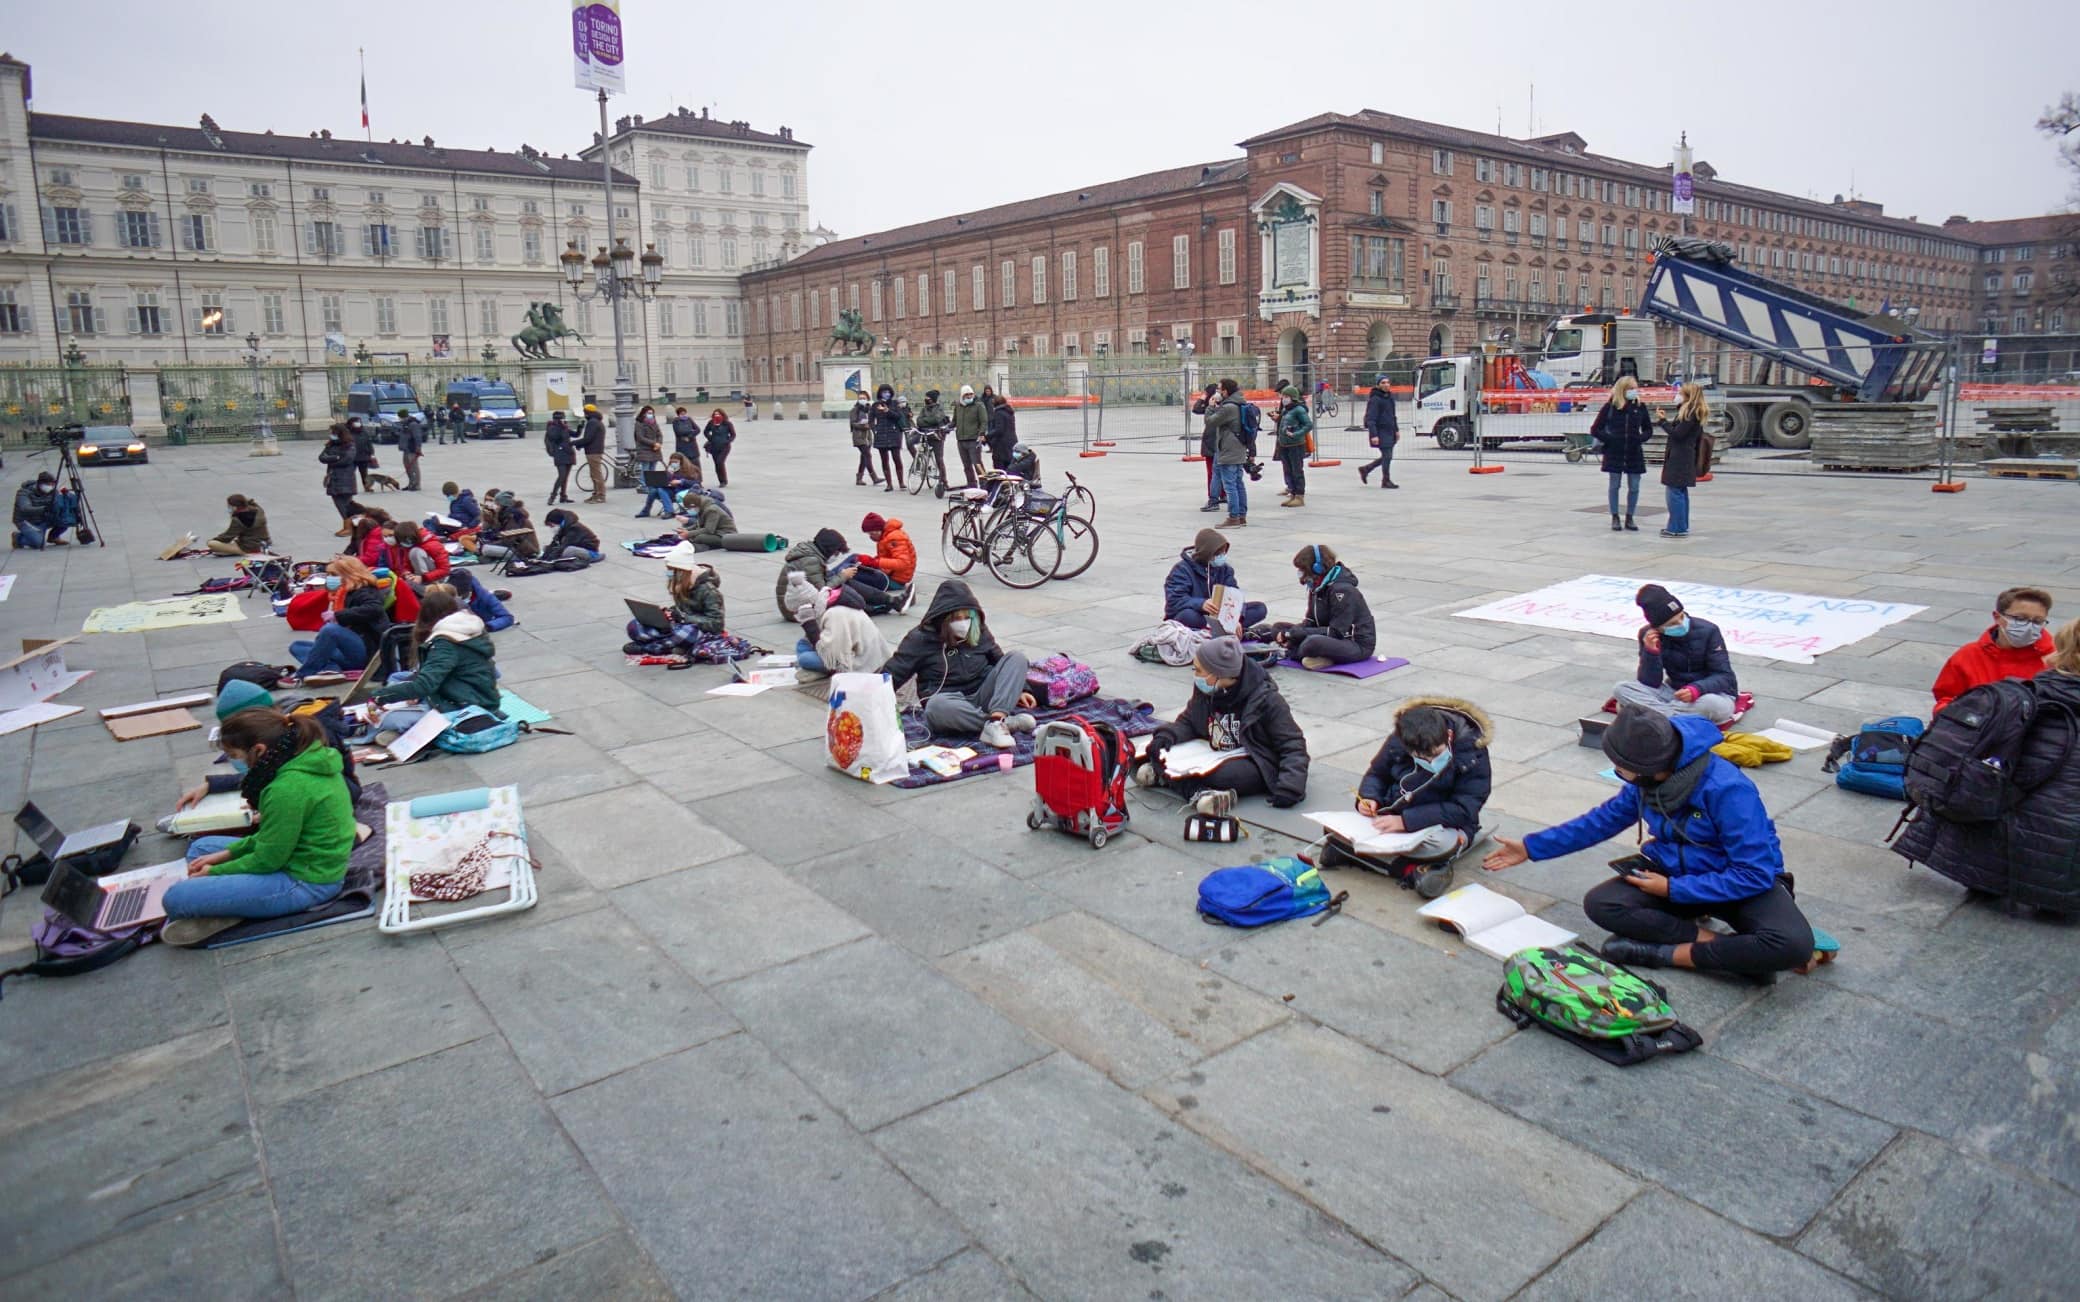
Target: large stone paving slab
[(930, 896), (1663, 1247), (1646, 1122), (1401, 1157), (742, 1183), (444, 1172), (221, 1250), (875, 1031), (1087, 1192), (151, 997), (620, 836), (729, 919), (1926, 1221)]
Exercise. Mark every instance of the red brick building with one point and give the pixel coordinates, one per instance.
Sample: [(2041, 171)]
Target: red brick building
[(1332, 243)]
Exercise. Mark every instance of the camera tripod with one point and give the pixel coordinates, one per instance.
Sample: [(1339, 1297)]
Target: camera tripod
[(88, 527)]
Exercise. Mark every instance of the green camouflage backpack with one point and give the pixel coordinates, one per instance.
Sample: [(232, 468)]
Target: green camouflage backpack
[(1589, 1001)]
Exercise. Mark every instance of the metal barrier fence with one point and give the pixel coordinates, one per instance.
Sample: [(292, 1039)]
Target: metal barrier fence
[(32, 397), (224, 403)]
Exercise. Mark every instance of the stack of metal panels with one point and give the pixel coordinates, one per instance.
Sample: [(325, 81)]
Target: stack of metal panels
[(1876, 436)]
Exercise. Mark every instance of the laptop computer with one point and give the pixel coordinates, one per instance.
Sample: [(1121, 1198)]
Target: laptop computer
[(649, 614), (58, 844), (125, 899), (656, 478)]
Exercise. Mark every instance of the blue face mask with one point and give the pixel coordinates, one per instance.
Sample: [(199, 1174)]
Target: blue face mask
[(1202, 685), (239, 767), (332, 583), (1435, 763), (1681, 628)]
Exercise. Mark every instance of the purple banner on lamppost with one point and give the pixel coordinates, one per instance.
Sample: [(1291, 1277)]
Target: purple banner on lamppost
[(596, 45)]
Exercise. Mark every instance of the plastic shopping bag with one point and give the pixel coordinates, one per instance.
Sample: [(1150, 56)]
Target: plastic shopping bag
[(863, 735)]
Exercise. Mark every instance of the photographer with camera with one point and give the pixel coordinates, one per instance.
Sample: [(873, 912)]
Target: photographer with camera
[(40, 517)]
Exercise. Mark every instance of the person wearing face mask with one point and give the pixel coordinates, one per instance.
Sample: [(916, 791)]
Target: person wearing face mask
[(1712, 853), (247, 532), (969, 684), (2013, 647), (970, 425), (36, 513), (296, 858), (888, 420), (1431, 775), (337, 456), (862, 424), (1683, 665), (1200, 568), (354, 621), (1338, 628), (1234, 707)]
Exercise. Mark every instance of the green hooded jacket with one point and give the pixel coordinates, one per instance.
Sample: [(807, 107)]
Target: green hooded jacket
[(306, 822), (454, 668)]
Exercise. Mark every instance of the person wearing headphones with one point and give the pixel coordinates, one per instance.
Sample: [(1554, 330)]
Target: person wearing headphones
[(1338, 627)]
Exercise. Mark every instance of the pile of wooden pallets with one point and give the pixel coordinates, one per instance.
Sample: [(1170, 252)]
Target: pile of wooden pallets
[(2030, 468), (1897, 436), (2015, 429)]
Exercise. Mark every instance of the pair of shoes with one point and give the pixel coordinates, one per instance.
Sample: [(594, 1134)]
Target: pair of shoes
[(1630, 527), (1316, 662), (1211, 506), (1215, 803), (1636, 953), (996, 735), (186, 932), (1616, 527), (1233, 522)]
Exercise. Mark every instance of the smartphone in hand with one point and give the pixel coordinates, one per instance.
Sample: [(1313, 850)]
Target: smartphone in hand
[(1632, 865)]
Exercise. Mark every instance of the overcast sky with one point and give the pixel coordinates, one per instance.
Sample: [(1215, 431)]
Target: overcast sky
[(921, 109)]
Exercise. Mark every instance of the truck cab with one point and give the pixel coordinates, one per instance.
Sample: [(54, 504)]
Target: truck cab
[(489, 407), (1445, 390), (382, 405), (1595, 348)]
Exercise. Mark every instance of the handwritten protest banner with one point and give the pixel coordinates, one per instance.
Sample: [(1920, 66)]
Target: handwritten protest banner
[(1757, 622)]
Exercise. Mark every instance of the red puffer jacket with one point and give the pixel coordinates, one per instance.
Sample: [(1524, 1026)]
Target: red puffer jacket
[(1988, 660)]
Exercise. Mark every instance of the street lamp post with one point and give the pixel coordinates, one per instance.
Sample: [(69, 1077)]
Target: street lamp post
[(264, 444), (615, 280)]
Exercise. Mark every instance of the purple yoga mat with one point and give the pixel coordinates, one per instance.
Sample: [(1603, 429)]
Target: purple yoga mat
[(1355, 669)]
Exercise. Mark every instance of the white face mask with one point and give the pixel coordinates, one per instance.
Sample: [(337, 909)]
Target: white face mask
[(967, 399), (959, 627)]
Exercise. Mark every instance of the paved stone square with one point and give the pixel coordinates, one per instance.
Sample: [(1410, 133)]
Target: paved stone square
[(774, 1033)]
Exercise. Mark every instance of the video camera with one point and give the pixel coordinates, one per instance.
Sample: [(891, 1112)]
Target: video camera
[(59, 435)]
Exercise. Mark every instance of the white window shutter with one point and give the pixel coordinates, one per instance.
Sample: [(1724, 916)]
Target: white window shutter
[(152, 224), (195, 320), (136, 326), (86, 226), (310, 238), (100, 322), (50, 226)]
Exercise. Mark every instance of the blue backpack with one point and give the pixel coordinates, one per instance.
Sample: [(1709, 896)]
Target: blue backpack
[(1252, 420), (1263, 893), (1877, 762)]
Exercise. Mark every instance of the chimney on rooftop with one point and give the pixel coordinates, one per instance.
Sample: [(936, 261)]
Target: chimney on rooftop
[(639, 119)]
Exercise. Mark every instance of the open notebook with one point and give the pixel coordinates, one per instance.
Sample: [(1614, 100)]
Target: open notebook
[(1492, 923), (220, 811), (1357, 831)]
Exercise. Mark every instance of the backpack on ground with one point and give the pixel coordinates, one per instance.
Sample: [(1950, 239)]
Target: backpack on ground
[(1080, 778), (65, 948), (268, 677), (1170, 643), (1058, 680), (1259, 894), (1963, 768), (1591, 1003), (1876, 763), (473, 730)]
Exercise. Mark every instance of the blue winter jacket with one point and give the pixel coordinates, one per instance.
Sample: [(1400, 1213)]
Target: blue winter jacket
[(1189, 585), (1724, 846), (463, 509), (1697, 659), (1379, 415)]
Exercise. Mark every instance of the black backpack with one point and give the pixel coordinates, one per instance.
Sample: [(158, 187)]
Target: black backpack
[(252, 671), (1962, 769)]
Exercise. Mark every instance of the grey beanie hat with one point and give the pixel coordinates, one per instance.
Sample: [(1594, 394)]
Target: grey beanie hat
[(1220, 656), (1642, 741)]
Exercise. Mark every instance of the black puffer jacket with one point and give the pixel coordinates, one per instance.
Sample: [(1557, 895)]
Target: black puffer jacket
[(2032, 857), (1270, 737), (923, 653), (1337, 608), (338, 460), (1453, 798), (1623, 433)]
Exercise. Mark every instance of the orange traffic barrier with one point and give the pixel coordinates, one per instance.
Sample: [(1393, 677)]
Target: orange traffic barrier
[(1090, 454), (1484, 470), (1954, 486)]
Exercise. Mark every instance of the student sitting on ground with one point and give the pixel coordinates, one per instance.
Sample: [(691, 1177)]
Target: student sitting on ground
[(680, 475), (416, 558), (2014, 646), (514, 531), (453, 657), (841, 640), (296, 858), (1683, 665), (1713, 854), (1431, 775), (696, 611), (968, 683), (462, 509), (1188, 591), (483, 602), (704, 519), (1338, 628), (241, 694), (355, 617), (894, 558), (825, 562), (1234, 706), (247, 532), (571, 539), (878, 588)]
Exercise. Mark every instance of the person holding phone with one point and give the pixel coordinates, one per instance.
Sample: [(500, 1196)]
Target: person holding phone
[(1713, 853)]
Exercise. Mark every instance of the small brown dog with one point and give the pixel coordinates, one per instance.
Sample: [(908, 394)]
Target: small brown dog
[(382, 481)]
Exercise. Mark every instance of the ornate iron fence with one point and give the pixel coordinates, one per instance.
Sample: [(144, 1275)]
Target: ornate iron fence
[(32, 397), (218, 404)]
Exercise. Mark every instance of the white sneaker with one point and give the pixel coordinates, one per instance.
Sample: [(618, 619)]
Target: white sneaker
[(1021, 723), (996, 735), (909, 597), (1215, 803), (1144, 775)]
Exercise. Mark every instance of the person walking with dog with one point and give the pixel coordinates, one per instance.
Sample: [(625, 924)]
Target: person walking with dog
[(364, 450), (411, 441)]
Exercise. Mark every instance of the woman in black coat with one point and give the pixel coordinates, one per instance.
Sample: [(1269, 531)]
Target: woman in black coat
[(1684, 458), (886, 420), (1622, 428), (720, 436), (337, 456), (1003, 433)]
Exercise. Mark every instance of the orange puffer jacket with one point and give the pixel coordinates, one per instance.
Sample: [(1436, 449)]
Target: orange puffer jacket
[(894, 555)]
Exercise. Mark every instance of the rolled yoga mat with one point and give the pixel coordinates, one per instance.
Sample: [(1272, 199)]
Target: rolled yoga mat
[(753, 542)]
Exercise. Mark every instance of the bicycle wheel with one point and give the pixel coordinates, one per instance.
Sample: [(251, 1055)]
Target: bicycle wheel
[(1078, 539), (1081, 501), (582, 476), (960, 541), (1022, 553)]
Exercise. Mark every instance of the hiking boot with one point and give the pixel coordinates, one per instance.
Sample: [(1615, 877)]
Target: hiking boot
[(1297, 499), (1021, 723), (1316, 662), (1630, 527), (185, 932), (1233, 522), (1636, 953), (996, 736), (1215, 803)]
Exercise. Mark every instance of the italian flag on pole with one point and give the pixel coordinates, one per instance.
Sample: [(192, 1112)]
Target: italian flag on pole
[(364, 97)]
